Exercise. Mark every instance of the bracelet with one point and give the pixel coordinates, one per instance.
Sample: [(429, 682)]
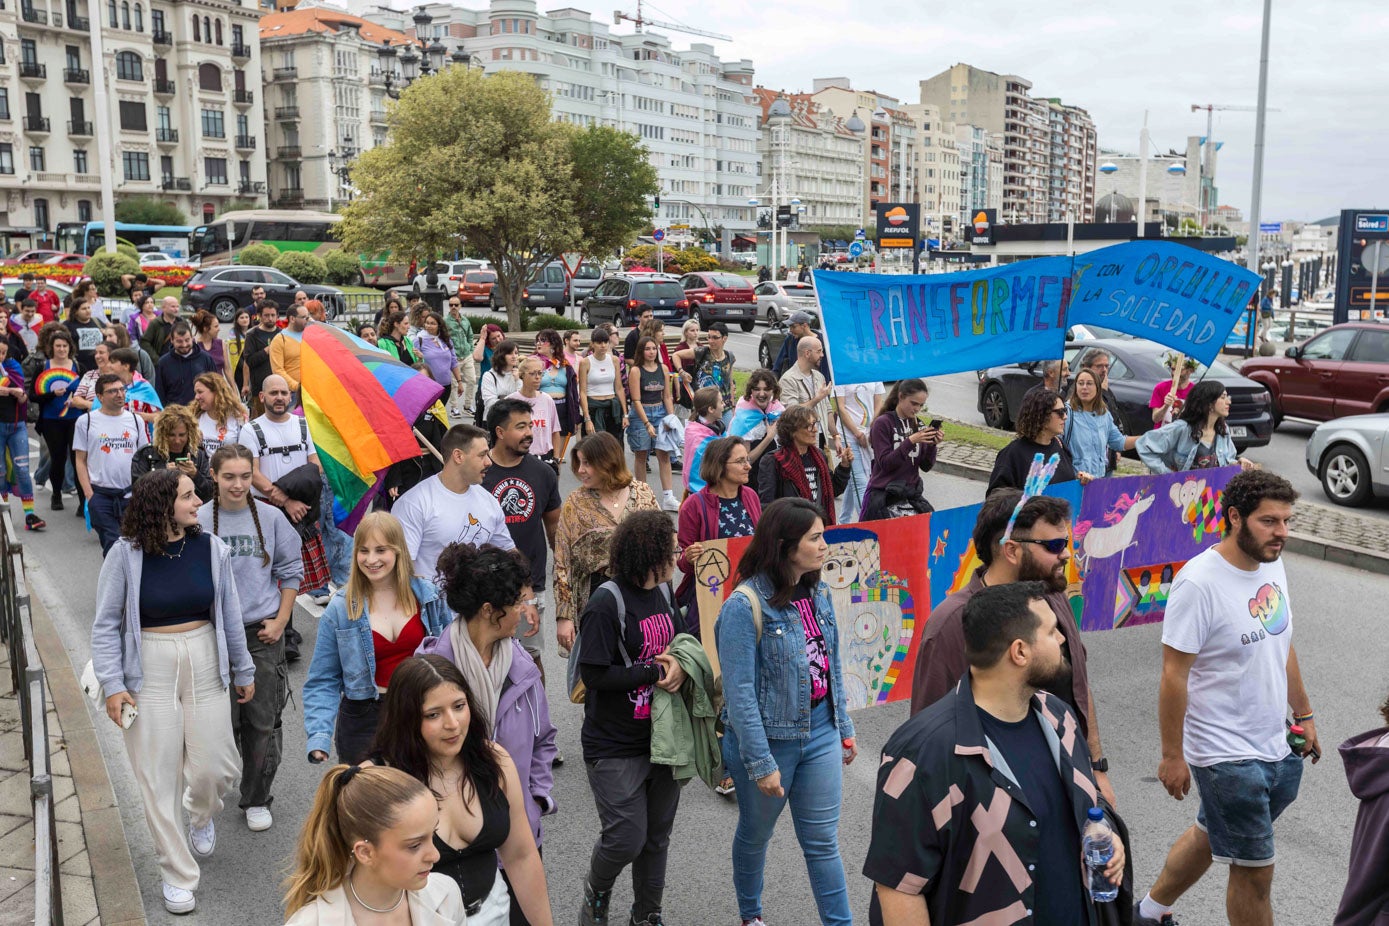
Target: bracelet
[(1301, 718)]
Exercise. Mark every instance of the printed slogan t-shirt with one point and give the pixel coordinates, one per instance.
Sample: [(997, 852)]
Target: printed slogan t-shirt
[(110, 442), (1239, 625), (618, 722), (816, 652)]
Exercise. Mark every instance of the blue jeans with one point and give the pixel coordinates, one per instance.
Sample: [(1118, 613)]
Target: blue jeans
[(336, 544), (858, 482), (812, 776), (105, 508), (15, 438), (1239, 802)]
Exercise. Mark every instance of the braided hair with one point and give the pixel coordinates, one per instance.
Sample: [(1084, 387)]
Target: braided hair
[(219, 459)]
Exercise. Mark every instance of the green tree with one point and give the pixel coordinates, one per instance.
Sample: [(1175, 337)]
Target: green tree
[(106, 269), (146, 210), (475, 163)]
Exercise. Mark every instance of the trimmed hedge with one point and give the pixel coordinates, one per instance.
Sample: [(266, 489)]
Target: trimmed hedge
[(106, 270), (557, 322), (259, 255), (477, 321), (343, 268), (306, 268)]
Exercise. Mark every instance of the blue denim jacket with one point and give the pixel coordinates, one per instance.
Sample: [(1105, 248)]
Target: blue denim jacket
[(344, 661), (1172, 449), (766, 683)]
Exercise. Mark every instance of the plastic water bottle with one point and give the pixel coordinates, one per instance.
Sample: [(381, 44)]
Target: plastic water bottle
[(1097, 844)]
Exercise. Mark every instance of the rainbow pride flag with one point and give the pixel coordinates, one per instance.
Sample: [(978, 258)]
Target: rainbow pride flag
[(360, 404)]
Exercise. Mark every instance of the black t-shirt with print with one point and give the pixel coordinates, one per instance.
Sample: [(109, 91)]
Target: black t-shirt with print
[(617, 711), (526, 492)]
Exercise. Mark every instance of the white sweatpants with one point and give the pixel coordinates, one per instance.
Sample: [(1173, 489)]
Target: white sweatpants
[(181, 746)]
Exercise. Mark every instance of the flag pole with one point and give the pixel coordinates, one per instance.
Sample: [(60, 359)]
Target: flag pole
[(427, 445)]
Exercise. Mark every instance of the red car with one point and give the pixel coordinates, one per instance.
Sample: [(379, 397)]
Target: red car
[(718, 296), (1342, 371), (67, 261), (31, 256), (475, 286)]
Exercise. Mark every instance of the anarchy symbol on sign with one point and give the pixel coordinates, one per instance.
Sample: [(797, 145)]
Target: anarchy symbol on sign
[(712, 569)]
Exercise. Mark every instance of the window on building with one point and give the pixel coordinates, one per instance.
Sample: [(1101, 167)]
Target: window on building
[(209, 77), (28, 51), (156, 20), (238, 35), (79, 160), (84, 210), (36, 158), (216, 170), (133, 117), (213, 126), (73, 56), (129, 66), (292, 177), (111, 14), (139, 18), (207, 28), (125, 15), (163, 117), (197, 29), (244, 169), (136, 165), (218, 26), (5, 103), (243, 125), (41, 213), (166, 167), (6, 158), (209, 212)]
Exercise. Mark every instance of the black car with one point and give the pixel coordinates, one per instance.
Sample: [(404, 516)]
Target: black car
[(225, 290), (621, 298), (1135, 370), (769, 345)]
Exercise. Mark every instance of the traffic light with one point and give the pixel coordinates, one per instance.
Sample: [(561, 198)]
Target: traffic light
[(657, 202)]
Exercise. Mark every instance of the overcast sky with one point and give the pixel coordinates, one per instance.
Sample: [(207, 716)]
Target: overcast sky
[(1327, 150)]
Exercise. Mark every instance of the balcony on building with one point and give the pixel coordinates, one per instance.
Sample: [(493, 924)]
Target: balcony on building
[(163, 87), (166, 136), (290, 196), (77, 76), (160, 37), (289, 152), (287, 113), (243, 97), (377, 78), (240, 51), (250, 186), (36, 125), (33, 16), (286, 73), (76, 22), (32, 70), (80, 129), (245, 143), (176, 183), (378, 117)]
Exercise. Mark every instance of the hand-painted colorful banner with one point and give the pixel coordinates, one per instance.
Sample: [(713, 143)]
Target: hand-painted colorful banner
[(883, 594), (892, 327)]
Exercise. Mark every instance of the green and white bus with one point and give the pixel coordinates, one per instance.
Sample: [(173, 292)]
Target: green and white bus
[(287, 230)]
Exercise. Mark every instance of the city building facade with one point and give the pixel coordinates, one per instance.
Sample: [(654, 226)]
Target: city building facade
[(938, 168), (1173, 186), (981, 170), (1072, 151), (889, 144), (184, 112), (814, 157)]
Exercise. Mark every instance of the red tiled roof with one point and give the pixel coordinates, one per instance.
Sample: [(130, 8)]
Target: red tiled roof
[(321, 19)]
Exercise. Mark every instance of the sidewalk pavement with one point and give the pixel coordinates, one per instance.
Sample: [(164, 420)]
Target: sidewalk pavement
[(1336, 535), (96, 873)]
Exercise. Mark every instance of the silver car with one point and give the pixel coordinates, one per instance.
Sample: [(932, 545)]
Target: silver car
[(1351, 458), (776, 300)]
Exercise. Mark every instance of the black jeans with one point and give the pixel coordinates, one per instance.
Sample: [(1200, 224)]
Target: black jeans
[(57, 435), (356, 729), (256, 724), (607, 416), (636, 804)]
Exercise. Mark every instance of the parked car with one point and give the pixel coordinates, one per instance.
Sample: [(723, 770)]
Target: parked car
[(450, 274), (476, 288), (29, 256), (718, 296), (1134, 371), (621, 297), (224, 290), (1342, 371), (160, 259), (777, 300), (69, 262), (1351, 458), (551, 287), (117, 310), (769, 345)]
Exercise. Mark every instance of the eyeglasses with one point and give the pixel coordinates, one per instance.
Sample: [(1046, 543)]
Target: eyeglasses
[(1059, 412), (455, 305), (1053, 546)]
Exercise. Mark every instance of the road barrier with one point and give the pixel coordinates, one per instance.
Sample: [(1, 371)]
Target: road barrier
[(27, 677)]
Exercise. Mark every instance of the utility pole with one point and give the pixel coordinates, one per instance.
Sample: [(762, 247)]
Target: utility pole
[(1143, 174), (1256, 197), (102, 117)]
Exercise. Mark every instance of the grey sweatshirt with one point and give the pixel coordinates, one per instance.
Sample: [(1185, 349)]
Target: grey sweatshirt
[(258, 586)]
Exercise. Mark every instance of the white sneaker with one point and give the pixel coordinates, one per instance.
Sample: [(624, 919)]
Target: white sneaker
[(203, 839), (258, 819), (669, 502), (321, 600), (177, 900)]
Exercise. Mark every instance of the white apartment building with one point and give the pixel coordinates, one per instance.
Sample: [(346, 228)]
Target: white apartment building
[(184, 118), (325, 100), (1071, 175), (813, 156), (938, 169), (890, 146), (981, 170), (696, 114)]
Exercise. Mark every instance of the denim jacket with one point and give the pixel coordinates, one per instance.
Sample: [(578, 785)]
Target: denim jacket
[(1172, 449), (766, 683), (344, 660)]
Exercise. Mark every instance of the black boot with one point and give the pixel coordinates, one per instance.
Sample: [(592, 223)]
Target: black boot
[(594, 911), (652, 919), (57, 501)]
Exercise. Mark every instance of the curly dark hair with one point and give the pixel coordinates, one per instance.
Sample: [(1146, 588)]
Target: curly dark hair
[(1197, 409), (551, 337), (1036, 409), (1248, 490), (150, 515), (763, 377), (791, 421), (443, 328), (59, 332), (473, 576), (644, 543)]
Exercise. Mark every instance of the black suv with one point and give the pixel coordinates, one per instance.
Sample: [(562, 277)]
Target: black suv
[(622, 297), (225, 290)]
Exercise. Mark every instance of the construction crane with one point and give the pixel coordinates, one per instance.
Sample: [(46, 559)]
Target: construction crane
[(640, 20), (1209, 147)]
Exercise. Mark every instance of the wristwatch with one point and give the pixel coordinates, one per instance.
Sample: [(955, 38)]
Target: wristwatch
[(1100, 765)]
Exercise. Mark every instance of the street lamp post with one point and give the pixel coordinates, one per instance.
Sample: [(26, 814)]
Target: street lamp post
[(418, 58)]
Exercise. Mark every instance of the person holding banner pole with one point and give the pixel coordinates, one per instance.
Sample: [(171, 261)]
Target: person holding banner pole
[(805, 384), (1090, 434), (1170, 394)]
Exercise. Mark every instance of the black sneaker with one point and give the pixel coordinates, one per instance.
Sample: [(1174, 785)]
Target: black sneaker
[(57, 501), (1167, 919), (594, 911), (652, 919)]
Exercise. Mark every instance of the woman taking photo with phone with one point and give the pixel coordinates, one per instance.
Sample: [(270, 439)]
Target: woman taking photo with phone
[(366, 850), (369, 627), (167, 643), (788, 742), (903, 449), (177, 445)]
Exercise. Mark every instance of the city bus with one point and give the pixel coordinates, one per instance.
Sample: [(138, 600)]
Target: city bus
[(287, 230), (90, 237)]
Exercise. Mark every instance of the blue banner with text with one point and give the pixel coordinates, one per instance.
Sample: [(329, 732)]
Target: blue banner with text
[(893, 327)]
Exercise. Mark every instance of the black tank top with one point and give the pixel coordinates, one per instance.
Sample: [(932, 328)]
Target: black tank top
[(474, 866)]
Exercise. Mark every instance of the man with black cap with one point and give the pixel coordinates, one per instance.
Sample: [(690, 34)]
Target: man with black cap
[(799, 325)]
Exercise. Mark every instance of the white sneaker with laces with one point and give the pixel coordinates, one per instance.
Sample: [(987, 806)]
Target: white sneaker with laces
[(177, 900), (203, 838), (258, 819), (669, 502), (321, 600)]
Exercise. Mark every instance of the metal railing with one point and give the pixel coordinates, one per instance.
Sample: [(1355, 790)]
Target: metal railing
[(26, 675)]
